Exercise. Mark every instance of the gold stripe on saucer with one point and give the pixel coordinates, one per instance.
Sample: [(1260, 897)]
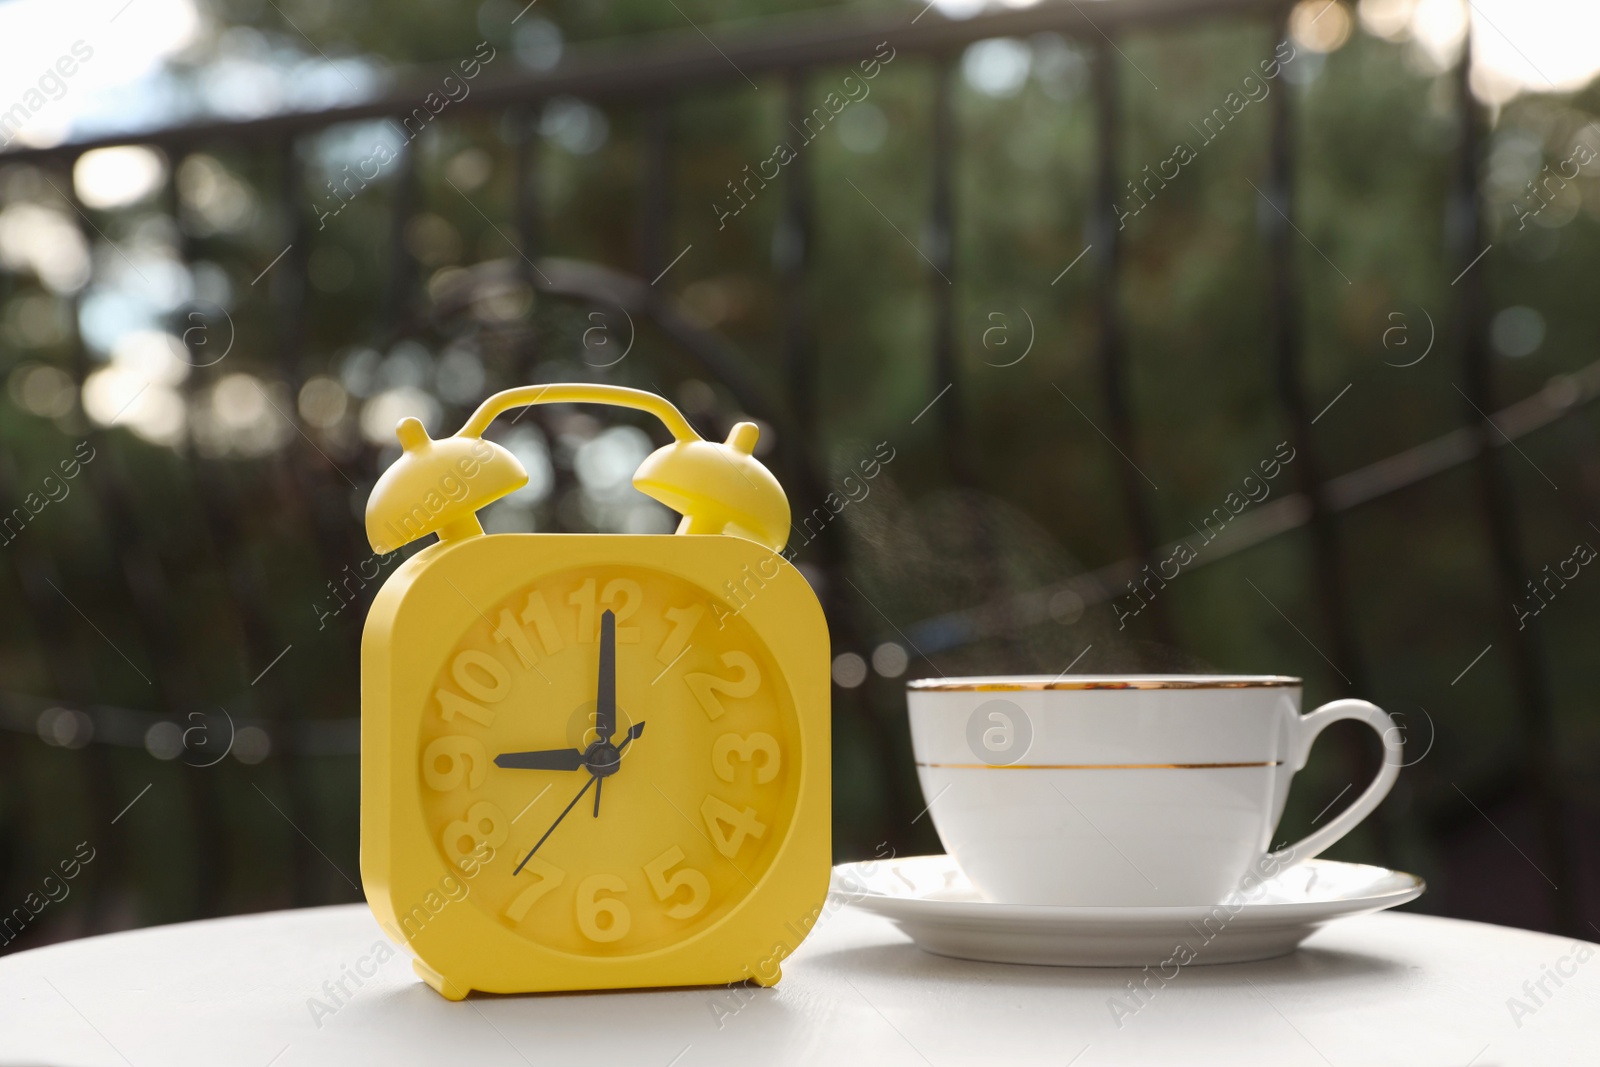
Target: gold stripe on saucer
[(957, 685), (1095, 766)]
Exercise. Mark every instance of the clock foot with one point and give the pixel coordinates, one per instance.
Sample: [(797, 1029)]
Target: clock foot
[(762, 978), (443, 986)]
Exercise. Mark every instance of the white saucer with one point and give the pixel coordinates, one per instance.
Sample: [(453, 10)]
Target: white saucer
[(931, 900)]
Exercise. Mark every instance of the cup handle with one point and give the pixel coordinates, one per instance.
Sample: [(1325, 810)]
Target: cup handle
[(1307, 729)]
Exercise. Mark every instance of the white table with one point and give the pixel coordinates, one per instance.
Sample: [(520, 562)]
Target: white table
[(1406, 990)]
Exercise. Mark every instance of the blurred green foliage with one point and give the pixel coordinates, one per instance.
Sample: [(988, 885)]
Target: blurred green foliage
[(239, 550)]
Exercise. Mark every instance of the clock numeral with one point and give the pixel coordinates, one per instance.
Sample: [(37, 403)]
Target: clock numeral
[(452, 759), (537, 611), (745, 748), (740, 823), (490, 691), (592, 908), (683, 620), (481, 857), (666, 885), (481, 677), (485, 824), (509, 631), (548, 876), (705, 687), (621, 595), (453, 704), (583, 600)]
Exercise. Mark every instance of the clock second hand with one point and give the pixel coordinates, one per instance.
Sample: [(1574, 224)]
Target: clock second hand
[(605, 708), (592, 780), (633, 733)]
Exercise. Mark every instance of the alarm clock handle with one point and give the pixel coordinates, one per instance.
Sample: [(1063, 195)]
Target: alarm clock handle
[(719, 487), (579, 393)]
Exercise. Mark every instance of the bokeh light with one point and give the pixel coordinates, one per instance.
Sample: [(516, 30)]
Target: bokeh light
[(108, 178), (1320, 25)]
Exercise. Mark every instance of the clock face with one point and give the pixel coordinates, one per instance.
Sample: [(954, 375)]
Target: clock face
[(608, 760)]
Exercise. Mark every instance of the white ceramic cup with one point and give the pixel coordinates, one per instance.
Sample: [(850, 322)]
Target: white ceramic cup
[(1117, 790)]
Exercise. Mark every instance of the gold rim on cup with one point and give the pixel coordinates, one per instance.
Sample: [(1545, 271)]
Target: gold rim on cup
[(1131, 682), (1097, 766)]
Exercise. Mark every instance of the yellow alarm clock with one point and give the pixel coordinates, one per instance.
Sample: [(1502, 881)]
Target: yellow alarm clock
[(592, 761)]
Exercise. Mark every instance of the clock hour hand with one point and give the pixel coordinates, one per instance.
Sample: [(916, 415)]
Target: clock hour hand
[(550, 759)]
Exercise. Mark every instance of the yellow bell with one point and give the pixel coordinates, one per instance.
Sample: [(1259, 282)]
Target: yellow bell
[(718, 488), (438, 487)]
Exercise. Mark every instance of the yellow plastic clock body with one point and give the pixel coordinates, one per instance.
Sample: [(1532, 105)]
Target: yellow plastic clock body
[(592, 761)]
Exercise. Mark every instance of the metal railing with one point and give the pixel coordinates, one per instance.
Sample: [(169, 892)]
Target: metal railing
[(647, 77)]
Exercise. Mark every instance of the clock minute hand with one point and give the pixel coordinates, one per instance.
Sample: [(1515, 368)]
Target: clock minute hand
[(550, 759), (605, 701), (605, 712)]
